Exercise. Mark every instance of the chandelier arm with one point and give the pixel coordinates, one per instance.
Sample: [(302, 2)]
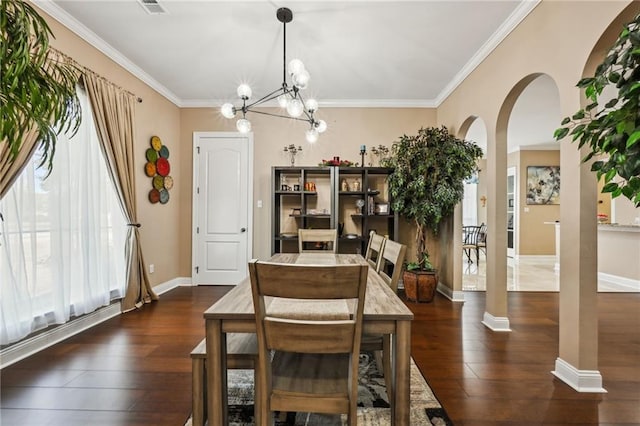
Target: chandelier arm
[(265, 98), (309, 115), (280, 115)]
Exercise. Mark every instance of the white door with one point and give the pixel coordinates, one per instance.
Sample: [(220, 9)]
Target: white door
[(222, 202)]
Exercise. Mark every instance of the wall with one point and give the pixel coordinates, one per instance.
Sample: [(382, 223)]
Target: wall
[(348, 129), (624, 212), (534, 237)]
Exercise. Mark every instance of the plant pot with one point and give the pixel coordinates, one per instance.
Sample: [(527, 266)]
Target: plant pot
[(420, 286)]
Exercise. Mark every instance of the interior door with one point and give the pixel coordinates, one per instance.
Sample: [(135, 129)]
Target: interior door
[(222, 217), (512, 220)]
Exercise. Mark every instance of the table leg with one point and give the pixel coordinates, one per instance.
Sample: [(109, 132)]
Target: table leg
[(216, 374), (401, 343)]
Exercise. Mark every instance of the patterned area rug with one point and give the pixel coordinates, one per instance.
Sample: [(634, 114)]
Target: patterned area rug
[(373, 403)]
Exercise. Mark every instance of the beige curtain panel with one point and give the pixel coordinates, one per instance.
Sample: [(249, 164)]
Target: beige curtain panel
[(113, 111), (9, 171)]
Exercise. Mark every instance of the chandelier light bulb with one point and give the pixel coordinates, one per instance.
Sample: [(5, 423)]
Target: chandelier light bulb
[(228, 111), (294, 108), (312, 105), (243, 125), (283, 101), (312, 135), (321, 126), (301, 79), (295, 66), (244, 91)]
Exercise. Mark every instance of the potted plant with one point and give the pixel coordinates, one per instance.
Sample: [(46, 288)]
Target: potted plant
[(38, 87), (427, 182)]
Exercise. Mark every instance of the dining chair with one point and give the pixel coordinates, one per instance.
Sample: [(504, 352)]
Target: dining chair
[(470, 241), (323, 240), (482, 240), (309, 364), (374, 249), (389, 268)]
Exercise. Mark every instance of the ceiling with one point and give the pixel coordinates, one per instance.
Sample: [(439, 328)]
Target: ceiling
[(359, 53)]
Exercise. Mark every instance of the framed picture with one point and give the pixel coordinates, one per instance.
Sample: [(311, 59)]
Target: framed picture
[(543, 185), (382, 208)]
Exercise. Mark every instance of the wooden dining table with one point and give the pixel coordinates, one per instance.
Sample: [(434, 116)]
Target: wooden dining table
[(384, 313)]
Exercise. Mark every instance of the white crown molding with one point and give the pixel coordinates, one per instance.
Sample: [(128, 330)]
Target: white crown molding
[(60, 15), (505, 29), (89, 36)]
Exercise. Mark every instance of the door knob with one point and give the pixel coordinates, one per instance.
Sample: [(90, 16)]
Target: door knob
[(243, 229)]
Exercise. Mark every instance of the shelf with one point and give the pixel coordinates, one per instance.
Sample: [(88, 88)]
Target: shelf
[(296, 192), (319, 216), (352, 193)]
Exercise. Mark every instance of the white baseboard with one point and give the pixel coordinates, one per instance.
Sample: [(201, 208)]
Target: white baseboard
[(454, 296), (32, 345), (625, 284), (496, 323), (580, 380), (171, 284)]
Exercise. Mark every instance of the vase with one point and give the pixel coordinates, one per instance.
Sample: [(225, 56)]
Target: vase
[(420, 286)]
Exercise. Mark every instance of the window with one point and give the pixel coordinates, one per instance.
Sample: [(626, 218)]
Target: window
[(62, 238)]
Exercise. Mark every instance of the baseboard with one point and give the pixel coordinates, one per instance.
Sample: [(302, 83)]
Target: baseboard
[(171, 284), (537, 256), (454, 296), (496, 323), (626, 284), (32, 345), (581, 380)]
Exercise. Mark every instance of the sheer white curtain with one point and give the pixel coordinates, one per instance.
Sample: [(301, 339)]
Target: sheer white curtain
[(62, 238), (470, 204)]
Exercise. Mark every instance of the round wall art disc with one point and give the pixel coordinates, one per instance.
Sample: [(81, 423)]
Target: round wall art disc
[(164, 151), (162, 166), (150, 169), (164, 196), (156, 143), (152, 155), (168, 182), (154, 196), (158, 182)]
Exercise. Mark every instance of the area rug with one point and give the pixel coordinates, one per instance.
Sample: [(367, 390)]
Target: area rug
[(373, 403)]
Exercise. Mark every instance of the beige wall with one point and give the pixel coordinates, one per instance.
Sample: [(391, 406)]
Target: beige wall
[(556, 38), (534, 237), (348, 129)]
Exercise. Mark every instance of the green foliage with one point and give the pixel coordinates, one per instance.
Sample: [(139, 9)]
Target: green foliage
[(428, 180), (38, 91), (614, 131)]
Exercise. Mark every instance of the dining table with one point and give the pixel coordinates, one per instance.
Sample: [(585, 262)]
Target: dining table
[(384, 313)]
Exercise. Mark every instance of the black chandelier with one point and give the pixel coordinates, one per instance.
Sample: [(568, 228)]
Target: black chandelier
[(288, 97)]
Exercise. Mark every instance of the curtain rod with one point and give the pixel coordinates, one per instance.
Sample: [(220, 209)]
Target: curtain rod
[(68, 58)]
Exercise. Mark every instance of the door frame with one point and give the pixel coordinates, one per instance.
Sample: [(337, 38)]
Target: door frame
[(194, 188)]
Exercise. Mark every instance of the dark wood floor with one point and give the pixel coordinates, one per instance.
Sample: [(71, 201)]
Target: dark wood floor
[(135, 369)]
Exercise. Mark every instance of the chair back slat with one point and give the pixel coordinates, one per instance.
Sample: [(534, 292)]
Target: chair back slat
[(325, 239), (393, 256), (309, 336), (375, 246)]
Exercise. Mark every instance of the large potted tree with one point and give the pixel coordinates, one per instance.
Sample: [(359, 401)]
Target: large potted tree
[(427, 182)]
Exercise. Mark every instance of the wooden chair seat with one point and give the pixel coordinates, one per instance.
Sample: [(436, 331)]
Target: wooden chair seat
[(242, 354)]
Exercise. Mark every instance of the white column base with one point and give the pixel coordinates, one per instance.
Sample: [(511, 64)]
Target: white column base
[(580, 380), (496, 323), (454, 296)]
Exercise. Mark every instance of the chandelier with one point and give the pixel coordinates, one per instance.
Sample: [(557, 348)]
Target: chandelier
[(288, 96)]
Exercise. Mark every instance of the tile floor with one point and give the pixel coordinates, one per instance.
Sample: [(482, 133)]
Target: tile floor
[(535, 273)]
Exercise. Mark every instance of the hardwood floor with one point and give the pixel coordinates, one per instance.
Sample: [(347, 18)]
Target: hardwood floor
[(135, 369)]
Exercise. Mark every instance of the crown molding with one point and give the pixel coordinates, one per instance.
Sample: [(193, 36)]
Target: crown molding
[(60, 15), (494, 41), (330, 103)]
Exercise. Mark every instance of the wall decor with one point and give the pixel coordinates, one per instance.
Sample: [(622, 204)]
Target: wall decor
[(543, 185), (158, 169)]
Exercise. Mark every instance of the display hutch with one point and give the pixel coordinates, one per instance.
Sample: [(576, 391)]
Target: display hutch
[(354, 200)]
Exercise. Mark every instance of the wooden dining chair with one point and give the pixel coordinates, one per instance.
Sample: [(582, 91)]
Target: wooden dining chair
[(308, 365), (374, 249), (323, 240), (389, 268)]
